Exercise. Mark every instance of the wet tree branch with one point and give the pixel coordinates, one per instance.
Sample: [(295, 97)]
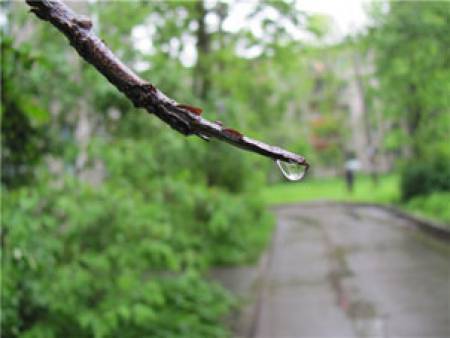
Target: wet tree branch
[(183, 118)]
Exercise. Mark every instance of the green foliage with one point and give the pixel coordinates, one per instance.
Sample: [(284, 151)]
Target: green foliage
[(409, 44), (434, 206), (425, 177), (319, 25), (23, 120), (124, 258)]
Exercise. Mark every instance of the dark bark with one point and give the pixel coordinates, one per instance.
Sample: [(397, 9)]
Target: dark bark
[(202, 74), (414, 118), (142, 93), (414, 115)]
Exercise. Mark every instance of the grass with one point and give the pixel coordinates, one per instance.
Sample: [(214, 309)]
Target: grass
[(334, 189), (433, 207)]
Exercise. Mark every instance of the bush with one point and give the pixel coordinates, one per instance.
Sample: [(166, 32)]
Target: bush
[(85, 263), (435, 206), (425, 177), (125, 258)]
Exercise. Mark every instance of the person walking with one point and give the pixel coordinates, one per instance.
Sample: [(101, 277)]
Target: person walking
[(351, 166)]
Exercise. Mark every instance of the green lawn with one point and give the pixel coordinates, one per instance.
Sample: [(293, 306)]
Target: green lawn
[(333, 189), (433, 207)]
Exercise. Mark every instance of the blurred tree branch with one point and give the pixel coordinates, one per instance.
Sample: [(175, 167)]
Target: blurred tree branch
[(183, 118)]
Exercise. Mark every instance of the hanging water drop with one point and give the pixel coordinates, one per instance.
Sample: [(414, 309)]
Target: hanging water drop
[(291, 170)]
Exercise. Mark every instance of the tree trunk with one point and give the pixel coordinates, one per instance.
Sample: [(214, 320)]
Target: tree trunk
[(202, 80), (371, 147)]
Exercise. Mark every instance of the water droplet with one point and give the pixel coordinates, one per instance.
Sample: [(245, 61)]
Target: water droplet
[(291, 170)]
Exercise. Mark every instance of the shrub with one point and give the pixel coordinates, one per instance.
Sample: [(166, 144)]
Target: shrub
[(425, 177), (80, 262), (435, 206), (125, 258)]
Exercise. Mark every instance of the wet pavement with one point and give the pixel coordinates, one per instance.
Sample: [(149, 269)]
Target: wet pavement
[(347, 271)]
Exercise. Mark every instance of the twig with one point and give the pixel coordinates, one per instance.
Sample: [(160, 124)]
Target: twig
[(183, 118)]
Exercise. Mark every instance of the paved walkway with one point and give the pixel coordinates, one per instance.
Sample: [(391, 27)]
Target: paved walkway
[(339, 271)]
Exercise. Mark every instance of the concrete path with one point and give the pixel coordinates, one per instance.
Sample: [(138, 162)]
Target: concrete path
[(340, 271)]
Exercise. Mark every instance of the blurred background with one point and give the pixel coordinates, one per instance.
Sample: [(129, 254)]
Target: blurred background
[(111, 220)]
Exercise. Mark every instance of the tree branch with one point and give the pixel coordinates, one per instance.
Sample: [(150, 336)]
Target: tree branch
[(183, 118)]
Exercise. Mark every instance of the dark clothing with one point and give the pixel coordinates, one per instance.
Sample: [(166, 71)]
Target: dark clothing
[(349, 179)]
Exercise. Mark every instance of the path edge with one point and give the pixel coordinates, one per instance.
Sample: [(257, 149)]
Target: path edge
[(436, 229)]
